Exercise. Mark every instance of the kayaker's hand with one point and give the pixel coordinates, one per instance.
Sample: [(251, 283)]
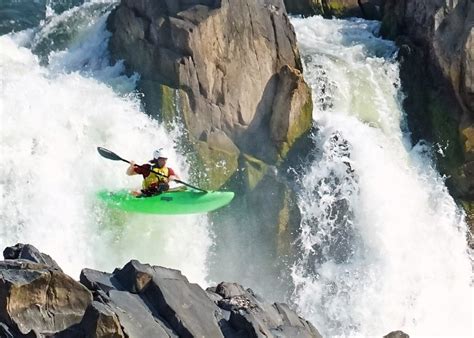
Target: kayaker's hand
[(131, 168)]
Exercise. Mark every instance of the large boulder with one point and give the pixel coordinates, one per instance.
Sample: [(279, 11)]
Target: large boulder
[(37, 298), (217, 65)]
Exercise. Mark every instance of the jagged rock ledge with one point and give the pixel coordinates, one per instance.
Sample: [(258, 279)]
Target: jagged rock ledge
[(38, 300)]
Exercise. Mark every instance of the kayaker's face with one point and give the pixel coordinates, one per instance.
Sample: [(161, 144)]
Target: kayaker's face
[(161, 162)]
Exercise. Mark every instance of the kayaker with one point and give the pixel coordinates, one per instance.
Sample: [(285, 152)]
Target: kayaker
[(156, 175)]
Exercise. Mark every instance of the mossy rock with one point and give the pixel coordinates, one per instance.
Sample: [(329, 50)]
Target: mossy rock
[(218, 165), (468, 207), (467, 139), (253, 170), (298, 128), (288, 222)]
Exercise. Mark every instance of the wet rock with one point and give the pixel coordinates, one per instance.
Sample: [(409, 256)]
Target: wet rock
[(35, 297), (251, 316), (397, 334), (292, 110), (137, 300), (219, 59), (100, 321), (368, 9), (29, 252), (436, 39)]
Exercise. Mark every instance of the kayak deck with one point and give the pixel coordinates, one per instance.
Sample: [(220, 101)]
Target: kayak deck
[(168, 203)]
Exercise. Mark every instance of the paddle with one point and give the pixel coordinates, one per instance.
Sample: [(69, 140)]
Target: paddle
[(114, 157)]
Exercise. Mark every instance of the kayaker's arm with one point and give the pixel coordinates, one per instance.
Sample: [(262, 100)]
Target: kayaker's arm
[(135, 169)]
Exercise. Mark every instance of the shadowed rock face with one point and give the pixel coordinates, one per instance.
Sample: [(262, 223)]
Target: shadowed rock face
[(138, 300), (436, 39), (221, 59)]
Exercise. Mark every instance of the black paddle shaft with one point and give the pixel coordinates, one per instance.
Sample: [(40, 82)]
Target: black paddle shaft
[(114, 157)]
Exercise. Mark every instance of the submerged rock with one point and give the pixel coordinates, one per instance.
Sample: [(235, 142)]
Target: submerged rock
[(138, 300)]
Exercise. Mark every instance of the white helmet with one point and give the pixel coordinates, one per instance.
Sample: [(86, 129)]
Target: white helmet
[(159, 153)]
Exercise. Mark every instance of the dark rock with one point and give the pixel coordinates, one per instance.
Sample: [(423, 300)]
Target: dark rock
[(101, 321), (397, 334), (138, 300), (134, 276), (138, 317), (96, 280), (36, 297), (436, 57), (29, 252), (185, 306), (368, 9), (251, 316)]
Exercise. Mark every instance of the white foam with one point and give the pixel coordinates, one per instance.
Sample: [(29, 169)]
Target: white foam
[(409, 268), (52, 120)]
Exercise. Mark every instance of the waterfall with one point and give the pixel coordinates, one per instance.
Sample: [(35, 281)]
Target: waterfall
[(382, 244)]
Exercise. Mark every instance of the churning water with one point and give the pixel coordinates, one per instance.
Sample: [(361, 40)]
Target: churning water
[(57, 106), (382, 244)]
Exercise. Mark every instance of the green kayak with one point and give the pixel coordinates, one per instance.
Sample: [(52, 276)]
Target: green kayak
[(168, 203)]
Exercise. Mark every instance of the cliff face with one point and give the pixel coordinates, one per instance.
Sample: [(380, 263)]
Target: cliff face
[(222, 61), (436, 39)]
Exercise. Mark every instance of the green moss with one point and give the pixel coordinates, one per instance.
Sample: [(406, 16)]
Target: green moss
[(468, 207), (299, 128), (253, 171), (216, 164), (284, 240)]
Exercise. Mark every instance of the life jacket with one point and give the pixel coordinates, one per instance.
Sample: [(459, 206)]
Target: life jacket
[(153, 179)]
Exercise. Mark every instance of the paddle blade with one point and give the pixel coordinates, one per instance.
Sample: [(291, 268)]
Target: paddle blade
[(110, 155)]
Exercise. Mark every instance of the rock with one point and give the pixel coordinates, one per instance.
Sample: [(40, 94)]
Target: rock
[(368, 9), (137, 318), (397, 334), (436, 39), (101, 321), (138, 300), (445, 30), (29, 252), (212, 53), (185, 306), (251, 316), (293, 96), (35, 297), (96, 280)]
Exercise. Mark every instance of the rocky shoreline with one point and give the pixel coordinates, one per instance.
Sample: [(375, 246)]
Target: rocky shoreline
[(139, 300), (37, 299)]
